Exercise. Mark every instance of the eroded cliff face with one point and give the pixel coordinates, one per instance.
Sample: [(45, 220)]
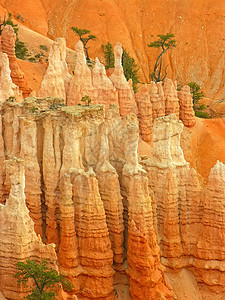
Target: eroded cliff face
[(107, 214), (18, 239), (73, 157)]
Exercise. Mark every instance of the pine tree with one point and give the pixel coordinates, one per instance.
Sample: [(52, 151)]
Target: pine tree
[(46, 280), (84, 39), (165, 42)]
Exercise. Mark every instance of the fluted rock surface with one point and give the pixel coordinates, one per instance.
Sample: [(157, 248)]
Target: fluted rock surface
[(81, 83), (171, 98), (104, 91), (157, 99), (187, 114), (8, 39), (18, 239), (175, 187), (125, 92), (210, 265), (7, 87), (96, 256), (57, 78), (145, 111)]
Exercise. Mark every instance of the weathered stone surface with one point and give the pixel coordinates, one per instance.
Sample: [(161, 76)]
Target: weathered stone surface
[(68, 251), (175, 187), (81, 82), (28, 150), (8, 40), (127, 102), (143, 254), (57, 78), (171, 98), (19, 242), (109, 189), (187, 114), (7, 87), (209, 267), (94, 246), (157, 99), (145, 108), (104, 91)]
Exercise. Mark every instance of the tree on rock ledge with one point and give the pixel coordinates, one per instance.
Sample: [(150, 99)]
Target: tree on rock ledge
[(165, 42), (81, 33)]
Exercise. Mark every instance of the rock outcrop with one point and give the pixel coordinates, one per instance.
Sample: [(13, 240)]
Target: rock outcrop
[(19, 242), (169, 178), (171, 98), (104, 91), (7, 87), (81, 83), (8, 39), (57, 78), (145, 112), (210, 252), (127, 102), (187, 114)]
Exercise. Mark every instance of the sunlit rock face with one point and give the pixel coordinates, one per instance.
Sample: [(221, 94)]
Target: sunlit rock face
[(19, 241), (57, 78), (8, 39)]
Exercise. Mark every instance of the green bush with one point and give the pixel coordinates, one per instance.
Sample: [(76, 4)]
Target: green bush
[(46, 280), (21, 50), (43, 47), (201, 114)]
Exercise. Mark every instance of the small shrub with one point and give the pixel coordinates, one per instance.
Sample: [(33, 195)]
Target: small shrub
[(20, 50), (34, 109), (201, 114), (32, 59), (20, 17), (43, 47), (86, 99), (11, 99)]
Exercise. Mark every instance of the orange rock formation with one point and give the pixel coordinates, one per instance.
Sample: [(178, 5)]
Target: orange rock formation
[(8, 39), (186, 106), (18, 239), (57, 78)]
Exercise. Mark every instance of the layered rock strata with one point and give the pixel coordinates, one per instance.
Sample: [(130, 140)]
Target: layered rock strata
[(19, 242), (169, 179), (81, 162), (210, 250), (8, 39), (145, 111), (87, 193), (189, 217)]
